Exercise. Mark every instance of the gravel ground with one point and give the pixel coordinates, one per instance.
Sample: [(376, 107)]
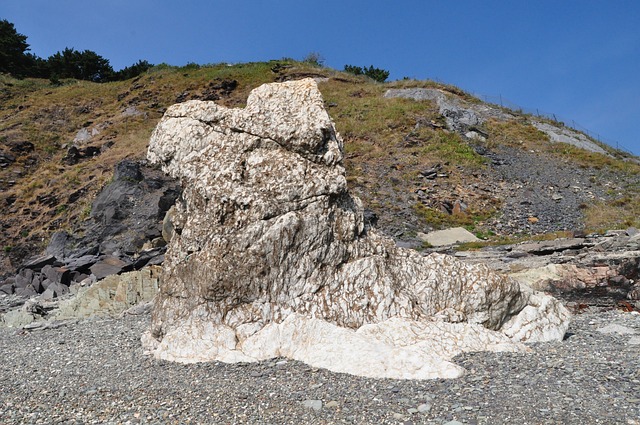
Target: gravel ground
[(94, 371), (552, 190)]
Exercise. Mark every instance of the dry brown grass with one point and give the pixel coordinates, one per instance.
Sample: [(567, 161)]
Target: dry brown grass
[(619, 213)]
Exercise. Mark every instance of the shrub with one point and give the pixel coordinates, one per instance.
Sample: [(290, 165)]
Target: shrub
[(376, 74), (355, 70), (133, 70), (314, 58)]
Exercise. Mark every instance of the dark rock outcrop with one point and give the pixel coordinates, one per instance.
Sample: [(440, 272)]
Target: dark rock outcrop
[(123, 233)]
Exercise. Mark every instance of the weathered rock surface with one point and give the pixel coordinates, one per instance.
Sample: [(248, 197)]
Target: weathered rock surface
[(558, 134), (460, 116), (110, 297), (599, 270), (270, 255), (446, 237)]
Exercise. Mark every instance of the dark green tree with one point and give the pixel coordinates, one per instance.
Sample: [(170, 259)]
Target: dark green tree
[(377, 74), (133, 71), (352, 69), (36, 67), (13, 46), (85, 65)]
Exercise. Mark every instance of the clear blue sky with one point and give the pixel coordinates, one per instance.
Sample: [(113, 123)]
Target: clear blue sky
[(578, 59)]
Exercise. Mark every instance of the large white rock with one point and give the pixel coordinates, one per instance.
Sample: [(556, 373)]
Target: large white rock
[(270, 255)]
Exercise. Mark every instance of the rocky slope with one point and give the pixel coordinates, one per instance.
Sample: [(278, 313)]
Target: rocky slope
[(419, 163)]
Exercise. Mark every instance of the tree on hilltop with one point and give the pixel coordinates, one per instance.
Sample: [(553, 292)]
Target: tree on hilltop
[(13, 46), (85, 65), (377, 74)]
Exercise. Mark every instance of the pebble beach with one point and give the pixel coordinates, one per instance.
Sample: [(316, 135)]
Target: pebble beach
[(94, 372)]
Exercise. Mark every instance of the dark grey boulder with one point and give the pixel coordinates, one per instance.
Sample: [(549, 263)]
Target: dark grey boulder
[(146, 256), (44, 285), (82, 264), (58, 289), (156, 261), (57, 274), (38, 263), (128, 212), (7, 287), (78, 277), (128, 170), (23, 278), (57, 245), (27, 291), (48, 294), (110, 265), (38, 285), (125, 217)]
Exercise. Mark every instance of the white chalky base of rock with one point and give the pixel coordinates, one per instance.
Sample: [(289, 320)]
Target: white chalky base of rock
[(396, 348)]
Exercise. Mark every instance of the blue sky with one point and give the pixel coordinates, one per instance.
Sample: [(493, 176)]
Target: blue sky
[(577, 59)]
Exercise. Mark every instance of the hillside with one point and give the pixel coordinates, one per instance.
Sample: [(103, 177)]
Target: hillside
[(423, 157)]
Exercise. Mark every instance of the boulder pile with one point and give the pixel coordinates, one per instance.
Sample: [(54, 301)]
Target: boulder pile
[(122, 233), (270, 256)]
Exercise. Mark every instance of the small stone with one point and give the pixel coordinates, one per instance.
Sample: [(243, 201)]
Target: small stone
[(412, 410), (332, 403), (424, 408), (313, 404), (453, 423), (617, 329), (632, 231)]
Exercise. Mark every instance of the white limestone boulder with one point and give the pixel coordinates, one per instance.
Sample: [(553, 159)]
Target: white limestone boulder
[(270, 255)]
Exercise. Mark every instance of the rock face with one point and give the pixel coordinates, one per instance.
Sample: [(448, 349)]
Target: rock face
[(128, 293), (595, 270), (271, 256), (460, 116)]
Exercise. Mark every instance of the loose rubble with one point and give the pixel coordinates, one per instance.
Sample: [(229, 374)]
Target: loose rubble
[(124, 233)]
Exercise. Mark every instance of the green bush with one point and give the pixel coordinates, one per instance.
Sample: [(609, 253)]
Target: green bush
[(314, 58), (377, 74)]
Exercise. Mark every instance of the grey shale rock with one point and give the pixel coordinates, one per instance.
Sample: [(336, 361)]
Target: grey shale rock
[(129, 293), (270, 256), (559, 134), (460, 116)]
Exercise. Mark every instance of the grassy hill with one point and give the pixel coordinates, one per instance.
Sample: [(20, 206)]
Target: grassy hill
[(59, 144)]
